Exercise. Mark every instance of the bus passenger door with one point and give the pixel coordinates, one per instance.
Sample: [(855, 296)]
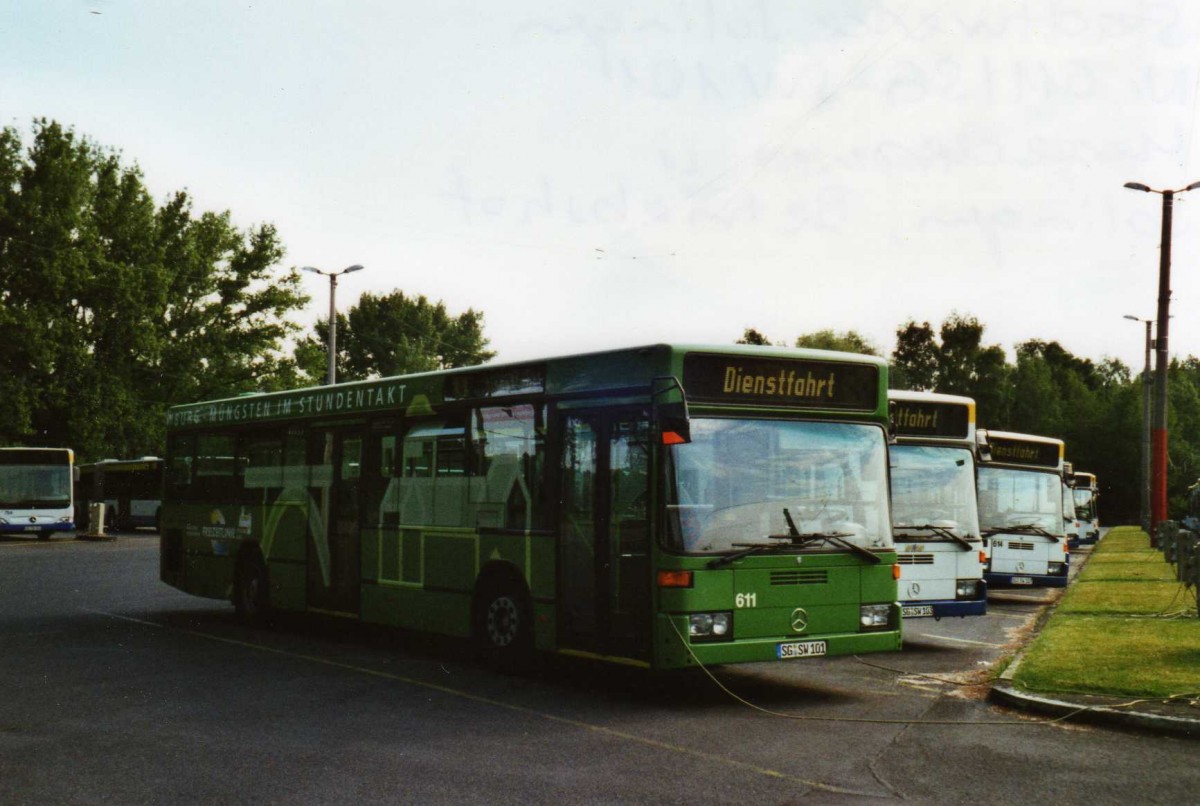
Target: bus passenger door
[(335, 458), (604, 553)]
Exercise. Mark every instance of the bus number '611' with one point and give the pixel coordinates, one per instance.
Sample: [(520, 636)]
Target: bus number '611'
[(746, 600)]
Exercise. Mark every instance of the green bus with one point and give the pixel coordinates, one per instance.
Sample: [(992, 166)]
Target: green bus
[(662, 506)]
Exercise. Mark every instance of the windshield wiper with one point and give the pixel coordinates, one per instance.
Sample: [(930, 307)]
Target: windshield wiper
[(941, 531), (836, 538), (1021, 529), (746, 550)]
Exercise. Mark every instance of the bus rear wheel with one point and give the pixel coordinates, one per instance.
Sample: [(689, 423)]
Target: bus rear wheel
[(250, 599), (504, 624)]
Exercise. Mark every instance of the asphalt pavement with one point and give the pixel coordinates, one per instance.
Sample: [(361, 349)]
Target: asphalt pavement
[(115, 688)]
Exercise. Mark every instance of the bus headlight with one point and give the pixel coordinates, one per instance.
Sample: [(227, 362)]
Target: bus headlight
[(966, 589), (710, 626), (1056, 569), (874, 617)]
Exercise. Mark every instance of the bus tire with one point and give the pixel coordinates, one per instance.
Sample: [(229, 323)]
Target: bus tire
[(250, 591), (504, 623)]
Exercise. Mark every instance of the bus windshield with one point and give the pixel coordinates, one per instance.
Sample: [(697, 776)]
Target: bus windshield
[(1010, 497), (30, 486), (732, 483), (934, 486), (1083, 504)]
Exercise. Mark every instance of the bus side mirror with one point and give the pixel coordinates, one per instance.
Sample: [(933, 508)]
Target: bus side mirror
[(674, 427), (75, 473)]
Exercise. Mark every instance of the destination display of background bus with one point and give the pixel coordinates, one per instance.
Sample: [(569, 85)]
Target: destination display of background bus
[(661, 506), (935, 519), (36, 495), (1021, 509)]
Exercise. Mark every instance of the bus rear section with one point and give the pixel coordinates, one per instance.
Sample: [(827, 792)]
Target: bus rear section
[(36, 491), (1021, 509), (131, 490), (935, 519)]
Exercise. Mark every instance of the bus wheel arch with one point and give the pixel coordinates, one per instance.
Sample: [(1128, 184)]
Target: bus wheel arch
[(251, 590), (502, 615)]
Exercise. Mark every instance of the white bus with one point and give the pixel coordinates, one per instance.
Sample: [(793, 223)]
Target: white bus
[(36, 491), (935, 518), (1086, 494), (1021, 509)]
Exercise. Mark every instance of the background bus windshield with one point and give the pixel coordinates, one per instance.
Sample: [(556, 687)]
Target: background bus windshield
[(25, 486), (732, 482), (934, 486), (1010, 497)]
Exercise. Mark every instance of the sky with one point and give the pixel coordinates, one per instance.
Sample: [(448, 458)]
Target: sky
[(593, 175)]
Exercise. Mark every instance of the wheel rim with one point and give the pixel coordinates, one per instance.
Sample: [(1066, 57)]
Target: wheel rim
[(503, 621)]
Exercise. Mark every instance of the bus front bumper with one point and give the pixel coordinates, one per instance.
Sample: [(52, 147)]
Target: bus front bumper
[(35, 528), (672, 654), (1026, 580), (945, 607)]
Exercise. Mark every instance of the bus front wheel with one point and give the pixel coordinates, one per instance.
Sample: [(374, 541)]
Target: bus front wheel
[(250, 590), (504, 623)]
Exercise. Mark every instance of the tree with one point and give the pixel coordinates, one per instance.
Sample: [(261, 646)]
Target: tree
[(850, 341), (114, 309), (752, 336), (915, 359), (393, 334)]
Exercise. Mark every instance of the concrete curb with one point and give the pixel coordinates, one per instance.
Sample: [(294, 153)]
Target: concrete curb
[(1007, 694)]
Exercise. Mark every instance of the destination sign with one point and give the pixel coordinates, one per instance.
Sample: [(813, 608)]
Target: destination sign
[(927, 418), (1024, 452), (781, 382)]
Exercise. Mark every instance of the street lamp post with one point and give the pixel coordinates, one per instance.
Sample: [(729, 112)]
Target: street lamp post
[(331, 371), (1158, 435), (1147, 393)]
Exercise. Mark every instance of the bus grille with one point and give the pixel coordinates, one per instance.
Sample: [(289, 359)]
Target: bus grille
[(799, 577), (915, 559), (1014, 544)]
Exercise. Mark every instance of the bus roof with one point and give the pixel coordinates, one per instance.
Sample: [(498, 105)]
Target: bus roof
[(764, 377)]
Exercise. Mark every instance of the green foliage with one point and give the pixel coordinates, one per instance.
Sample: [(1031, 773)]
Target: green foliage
[(850, 341), (393, 334), (752, 336), (114, 308)]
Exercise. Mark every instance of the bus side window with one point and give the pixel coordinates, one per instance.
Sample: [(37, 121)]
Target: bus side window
[(179, 463), (263, 476), (508, 445), (216, 467)]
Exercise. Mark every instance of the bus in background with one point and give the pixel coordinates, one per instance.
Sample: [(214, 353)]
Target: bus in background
[(131, 490), (662, 506), (935, 519), (1070, 524), (1087, 513), (1021, 509), (36, 491)]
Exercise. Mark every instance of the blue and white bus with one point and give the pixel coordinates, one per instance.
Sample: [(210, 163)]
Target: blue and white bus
[(1021, 509), (935, 518), (36, 496), (1086, 494)]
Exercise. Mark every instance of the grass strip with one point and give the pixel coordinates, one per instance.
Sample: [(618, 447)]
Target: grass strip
[(1103, 638), (1115, 598), (1114, 655)]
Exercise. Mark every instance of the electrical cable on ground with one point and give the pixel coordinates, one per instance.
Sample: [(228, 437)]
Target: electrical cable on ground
[(809, 718)]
